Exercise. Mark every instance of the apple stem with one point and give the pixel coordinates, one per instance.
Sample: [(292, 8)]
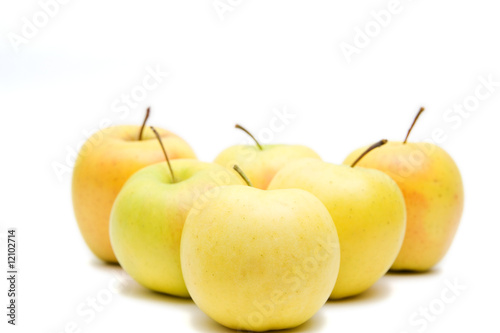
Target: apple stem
[(250, 134), (164, 153), (373, 146), (144, 123), (413, 124), (242, 174)]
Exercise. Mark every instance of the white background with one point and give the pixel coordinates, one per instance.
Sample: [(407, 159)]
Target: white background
[(265, 55)]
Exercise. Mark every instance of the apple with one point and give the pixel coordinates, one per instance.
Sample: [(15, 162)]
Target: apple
[(368, 210), (261, 162), (260, 260), (104, 163), (433, 191), (149, 213)]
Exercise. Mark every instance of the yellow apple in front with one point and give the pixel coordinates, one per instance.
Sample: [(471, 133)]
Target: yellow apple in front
[(368, 210), (434, 196), (260, 260), (104, 164)]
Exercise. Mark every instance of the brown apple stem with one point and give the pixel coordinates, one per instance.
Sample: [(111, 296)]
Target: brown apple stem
[(414, 122), (242, 174), (373, 146), (250, 134), (164, 153), (144, 123)]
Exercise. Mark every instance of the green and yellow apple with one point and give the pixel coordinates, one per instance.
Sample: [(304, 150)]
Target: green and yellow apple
[(260, 260), (104, 164), (149, 213), (433, 191), (368, 210), (261, 162)]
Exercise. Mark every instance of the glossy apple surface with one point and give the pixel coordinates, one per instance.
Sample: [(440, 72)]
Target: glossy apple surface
[(260, 260)]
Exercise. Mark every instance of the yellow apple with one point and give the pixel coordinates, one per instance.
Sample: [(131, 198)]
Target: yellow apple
[(261, 162), (368, 210), (260, 260), (103, 165), (433, 191)]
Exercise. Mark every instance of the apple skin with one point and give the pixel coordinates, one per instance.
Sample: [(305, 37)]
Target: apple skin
[(105, 162), (149, 214), (260, 166), (368, 210), (432, 187), (260, 260)]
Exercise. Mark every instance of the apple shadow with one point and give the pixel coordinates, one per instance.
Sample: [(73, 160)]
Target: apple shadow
[(135, 290), (99, 264), (379, 291), (202, 323), (414, 274)]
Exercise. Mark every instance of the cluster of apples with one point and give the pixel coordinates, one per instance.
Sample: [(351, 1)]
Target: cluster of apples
[(264, 236)]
